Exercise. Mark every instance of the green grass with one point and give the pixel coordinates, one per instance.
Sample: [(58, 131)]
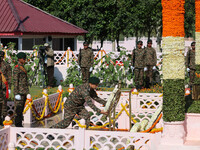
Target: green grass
[(36, 92)]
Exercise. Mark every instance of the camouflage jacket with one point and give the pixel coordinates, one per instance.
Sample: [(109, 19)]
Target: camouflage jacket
[(151, 58), (1, 91), (20, 80), (190, 59), (7, 72), (82, 94), (86, 58), (138, 58)]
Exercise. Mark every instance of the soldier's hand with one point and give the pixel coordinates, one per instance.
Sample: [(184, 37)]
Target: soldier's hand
[(91, 69), (145, 68), (104, 112), (188, 69), (18, 97)]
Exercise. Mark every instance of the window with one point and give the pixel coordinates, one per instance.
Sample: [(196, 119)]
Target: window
[(69, 42), (5, 42), (57, 44), (27, 44)]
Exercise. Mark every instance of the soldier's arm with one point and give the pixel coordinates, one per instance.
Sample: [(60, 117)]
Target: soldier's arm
[(49, 53), (88, 100), (155, 58), (16, 80), (187, 59), (100, 100), (92, 58), (9, 76), (133, 58)]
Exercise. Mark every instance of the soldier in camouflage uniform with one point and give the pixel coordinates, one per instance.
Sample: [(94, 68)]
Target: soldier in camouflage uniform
[(1, 96), (84, 93), (190, 63), (151, 60), (21, 89), (138, 64), (85, 61), (7, 73)]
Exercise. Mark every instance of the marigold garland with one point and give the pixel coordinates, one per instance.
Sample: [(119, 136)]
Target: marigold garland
[(197, 47), (197, 15), (173, 18)]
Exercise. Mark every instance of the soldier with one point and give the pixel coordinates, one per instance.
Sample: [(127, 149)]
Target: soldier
[(85, 61), (190, 63), (138, 64), (6, 71), (76, 100), (1, 96), (151, 60), (21, 89), (49, 65)]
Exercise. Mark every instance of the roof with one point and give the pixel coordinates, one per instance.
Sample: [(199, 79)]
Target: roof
[(17, 16)]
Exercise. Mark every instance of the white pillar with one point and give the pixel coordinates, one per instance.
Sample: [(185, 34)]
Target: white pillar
[(11, 146), (80, 140), (28, 114), (123, 119), (20, 43), (75, 44)]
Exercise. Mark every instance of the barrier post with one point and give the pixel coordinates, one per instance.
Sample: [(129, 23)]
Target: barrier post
[(122, 120), (11, 146), (80, 139), (28, 113), (60, 89)]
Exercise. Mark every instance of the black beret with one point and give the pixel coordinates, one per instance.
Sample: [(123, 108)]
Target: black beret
[(138, 42), (94, 80), (149, 41), (193, 43), (2, 53), (85, 43), (21, 55)]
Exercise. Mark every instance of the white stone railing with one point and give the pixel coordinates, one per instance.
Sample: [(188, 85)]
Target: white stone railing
[(5, 138), (142, 107), (81, 138), (39, 106)]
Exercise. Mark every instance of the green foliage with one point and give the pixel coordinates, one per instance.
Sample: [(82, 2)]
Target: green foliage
[(173, 100), (192, 106), (73, 75), (197, 79), (110, 72)]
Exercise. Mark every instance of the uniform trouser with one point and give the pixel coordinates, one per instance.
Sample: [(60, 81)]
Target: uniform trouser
[(85, 74), (69, 114), (139, 77), (149, 74), (50, 74), (19, 108), (192, 76), (4, 106), (1, 105)]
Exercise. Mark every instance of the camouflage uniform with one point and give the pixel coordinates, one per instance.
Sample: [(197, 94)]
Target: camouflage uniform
[(75, 105), (190, 63), (20, 83), (138, 61), (1, 99), (151, 60), (7, 72), (86, 60)]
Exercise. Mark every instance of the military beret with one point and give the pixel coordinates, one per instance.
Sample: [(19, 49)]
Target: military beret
[(2, 53), (85, 43), (94, 80), (193, 43), (149, 41), (139, 42), (21, 55)]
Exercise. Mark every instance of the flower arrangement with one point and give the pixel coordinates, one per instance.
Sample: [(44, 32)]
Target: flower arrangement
[(173, 60)]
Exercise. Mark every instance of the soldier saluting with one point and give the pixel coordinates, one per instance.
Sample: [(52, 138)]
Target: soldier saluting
[(86, 61), (21, 89), (76, 100)]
